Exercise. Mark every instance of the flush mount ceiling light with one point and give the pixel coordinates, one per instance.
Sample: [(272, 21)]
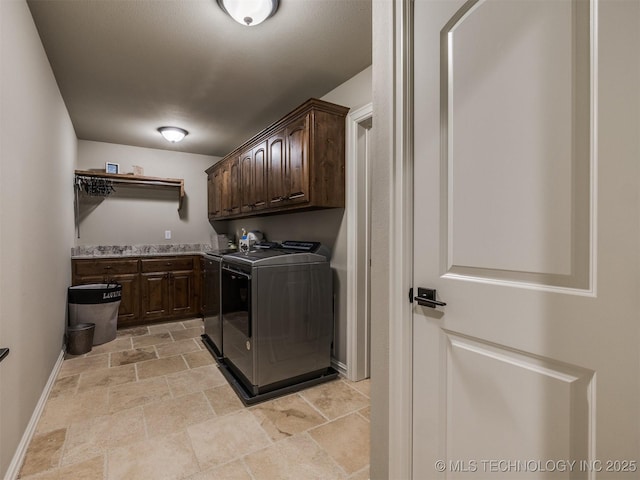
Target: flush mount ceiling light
[(173, 134), (249, 12)]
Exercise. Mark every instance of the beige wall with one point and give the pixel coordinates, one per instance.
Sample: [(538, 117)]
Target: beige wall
[(37, 159), (140, 215), (327, 226)]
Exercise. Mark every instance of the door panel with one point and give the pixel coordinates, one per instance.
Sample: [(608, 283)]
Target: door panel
[(182, 293), (216, 187), (276, 169), (246, 176), (128, 310), (155, 295), (525, 177), (259, 173), (297, 178), (234, 186), (516, 141), (489, 390)]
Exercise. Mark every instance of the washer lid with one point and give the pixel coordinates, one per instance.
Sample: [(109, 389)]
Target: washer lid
[(219, 253), (260, 258)]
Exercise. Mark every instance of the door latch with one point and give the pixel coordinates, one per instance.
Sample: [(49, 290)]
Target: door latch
[(427, 298)]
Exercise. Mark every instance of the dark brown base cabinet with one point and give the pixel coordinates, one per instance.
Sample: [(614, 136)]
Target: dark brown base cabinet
[(169, 287), (298, 163), (154, 289)]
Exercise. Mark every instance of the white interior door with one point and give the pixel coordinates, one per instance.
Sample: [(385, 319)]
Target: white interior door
[(526, 168)]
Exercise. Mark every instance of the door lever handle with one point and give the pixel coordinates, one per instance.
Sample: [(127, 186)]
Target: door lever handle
[(427, 298)]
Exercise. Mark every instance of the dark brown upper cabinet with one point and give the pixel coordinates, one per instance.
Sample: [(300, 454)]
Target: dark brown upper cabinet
[(253, 175), (298, 163)]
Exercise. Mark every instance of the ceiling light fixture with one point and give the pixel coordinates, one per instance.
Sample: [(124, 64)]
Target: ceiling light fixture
[(249, 12), (173, 134)]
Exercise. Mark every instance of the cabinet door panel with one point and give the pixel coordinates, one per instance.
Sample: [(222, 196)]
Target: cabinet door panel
[(182, 293), (129, 304), (234, 187), (155, 295), (259, 176), (276, 169), (225, 201), (297, 165), (246, 179), (210, 196), (214, 193), (217, 187)]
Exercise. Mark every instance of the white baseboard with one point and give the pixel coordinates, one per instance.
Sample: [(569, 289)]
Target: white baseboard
[(21, 451)]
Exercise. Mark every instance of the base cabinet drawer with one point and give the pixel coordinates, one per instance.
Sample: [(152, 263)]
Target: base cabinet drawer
[(166, 264), (105, 268)]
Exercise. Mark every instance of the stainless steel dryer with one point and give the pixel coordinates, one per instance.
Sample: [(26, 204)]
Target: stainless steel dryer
[(277, 319), (210, 265)]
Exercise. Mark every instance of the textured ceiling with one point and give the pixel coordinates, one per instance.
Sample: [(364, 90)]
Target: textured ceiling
[(127, 67)]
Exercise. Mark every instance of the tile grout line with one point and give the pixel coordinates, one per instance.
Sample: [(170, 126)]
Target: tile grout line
[(328, 454), (247, 467), (349, 383), (327, 420)]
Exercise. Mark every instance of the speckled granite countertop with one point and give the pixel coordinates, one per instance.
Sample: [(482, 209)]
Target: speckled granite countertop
[(106, 251)]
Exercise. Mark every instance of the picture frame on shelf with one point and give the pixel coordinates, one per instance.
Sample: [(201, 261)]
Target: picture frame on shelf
[(112, 167)]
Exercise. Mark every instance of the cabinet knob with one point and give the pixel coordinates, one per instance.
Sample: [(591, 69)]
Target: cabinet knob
[(108, 267)]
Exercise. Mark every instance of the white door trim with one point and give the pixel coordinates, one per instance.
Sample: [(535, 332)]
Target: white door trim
[(401, 248), (357, 267)]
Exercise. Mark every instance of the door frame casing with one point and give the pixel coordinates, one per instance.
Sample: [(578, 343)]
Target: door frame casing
[(401, 247), (357, 347), (392, 240)]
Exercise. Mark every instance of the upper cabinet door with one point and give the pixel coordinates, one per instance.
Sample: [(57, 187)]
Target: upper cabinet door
[(260, 176), (214, 193), (297, 162), (234, 186), (246, 174), (230, 187), (253, 178), (276, 169)]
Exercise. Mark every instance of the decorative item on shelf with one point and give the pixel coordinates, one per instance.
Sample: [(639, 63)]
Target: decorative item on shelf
[(112, 167), (138, 170)]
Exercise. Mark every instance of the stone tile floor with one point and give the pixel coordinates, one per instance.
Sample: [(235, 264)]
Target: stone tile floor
[(152, 404)]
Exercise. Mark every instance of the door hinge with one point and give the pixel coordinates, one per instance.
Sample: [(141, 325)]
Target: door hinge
[(411, 295)]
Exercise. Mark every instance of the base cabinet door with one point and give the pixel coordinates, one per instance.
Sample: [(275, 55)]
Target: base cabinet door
[(169, 287), (182, 293), (155, 295), (129, 311)]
